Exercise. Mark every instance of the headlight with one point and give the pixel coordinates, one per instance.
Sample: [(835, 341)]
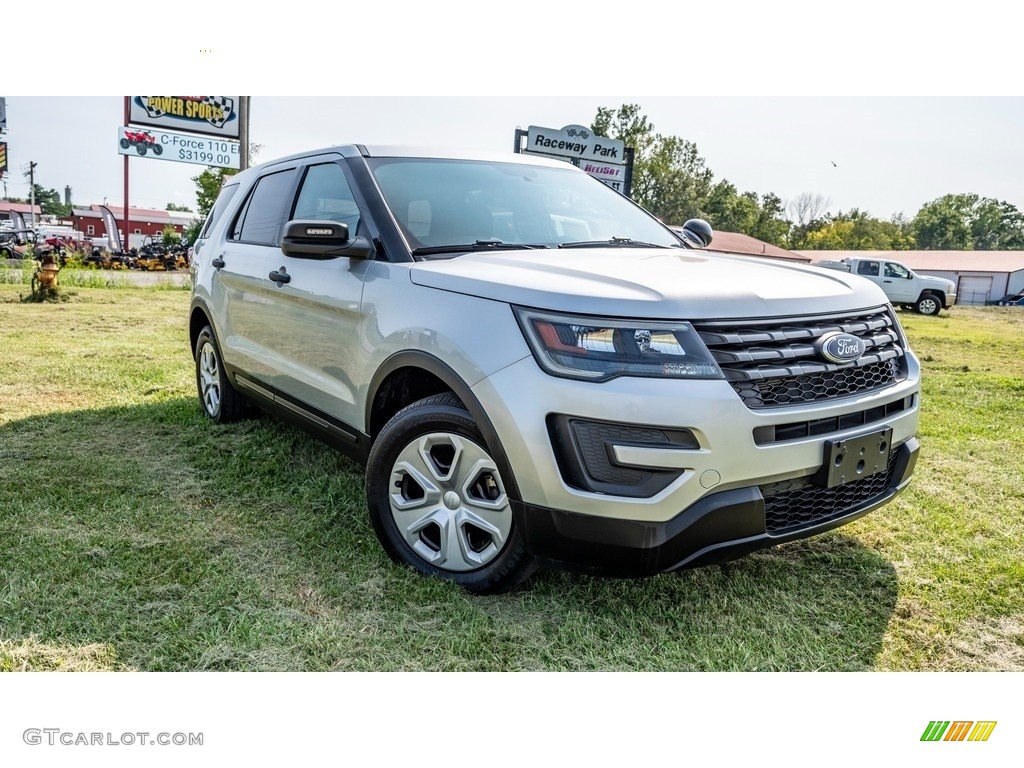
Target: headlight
[(598, 349)]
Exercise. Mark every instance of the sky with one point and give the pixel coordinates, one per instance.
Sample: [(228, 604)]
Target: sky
[(885, 155), (882, 110)]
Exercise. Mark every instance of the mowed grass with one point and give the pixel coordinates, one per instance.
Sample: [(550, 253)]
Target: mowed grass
[(136, 535)]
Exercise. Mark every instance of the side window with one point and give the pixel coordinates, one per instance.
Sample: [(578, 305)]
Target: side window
[(896, 270), (260, 219), (868, 268), (226, 193), (325, 195)]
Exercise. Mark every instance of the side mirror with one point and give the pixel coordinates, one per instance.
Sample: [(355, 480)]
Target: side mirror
[(697, 233), (313, 239)]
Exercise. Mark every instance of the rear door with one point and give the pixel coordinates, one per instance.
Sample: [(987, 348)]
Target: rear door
[(241, 289)]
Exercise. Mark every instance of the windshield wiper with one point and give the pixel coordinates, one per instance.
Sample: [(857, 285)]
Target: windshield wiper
[(615, 242), (479, 245)]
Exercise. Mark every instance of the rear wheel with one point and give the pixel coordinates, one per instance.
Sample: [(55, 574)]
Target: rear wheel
[(220, 402), (928, 305), (438, 501)]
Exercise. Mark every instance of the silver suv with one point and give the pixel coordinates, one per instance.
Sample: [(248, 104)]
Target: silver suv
[(535, 370)]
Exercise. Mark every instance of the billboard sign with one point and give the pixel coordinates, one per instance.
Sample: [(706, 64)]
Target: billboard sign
[(3, 114), (201, 150), (3, 157), (210, 115), (612, 175), (574, 141)]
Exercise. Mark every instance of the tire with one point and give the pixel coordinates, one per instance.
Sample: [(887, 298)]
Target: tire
[(438, 502), (928, 304), (140, 148), (125, 144), (220, 402), (157, 149)]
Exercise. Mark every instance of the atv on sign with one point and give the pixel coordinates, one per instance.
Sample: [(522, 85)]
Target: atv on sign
[(143, 141)]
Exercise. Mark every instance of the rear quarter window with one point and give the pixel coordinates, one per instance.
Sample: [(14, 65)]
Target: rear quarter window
[(259, 222), (217, 212)]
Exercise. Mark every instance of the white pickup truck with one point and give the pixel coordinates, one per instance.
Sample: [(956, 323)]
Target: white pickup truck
[(903, 286)]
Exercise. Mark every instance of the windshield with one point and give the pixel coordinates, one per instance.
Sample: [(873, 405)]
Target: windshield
[(441, 202)]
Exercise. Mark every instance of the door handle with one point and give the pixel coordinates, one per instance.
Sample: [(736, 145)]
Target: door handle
[(887, 281), (218, 263), (280, 276)]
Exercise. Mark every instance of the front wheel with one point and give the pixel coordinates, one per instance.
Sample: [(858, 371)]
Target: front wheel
[(157, 149), (438, 501), (928, 305)]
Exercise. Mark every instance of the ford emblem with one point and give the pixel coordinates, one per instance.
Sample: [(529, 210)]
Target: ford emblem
[(839, 347)]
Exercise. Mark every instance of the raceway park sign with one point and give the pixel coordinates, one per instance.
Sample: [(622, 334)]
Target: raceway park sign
[(211, 115), (574, 141), (201, 150)]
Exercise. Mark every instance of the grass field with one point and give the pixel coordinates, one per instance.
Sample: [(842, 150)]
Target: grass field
[(135, 535)]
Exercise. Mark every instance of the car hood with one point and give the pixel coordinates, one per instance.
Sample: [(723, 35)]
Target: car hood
[(649, 282), (941, 280)]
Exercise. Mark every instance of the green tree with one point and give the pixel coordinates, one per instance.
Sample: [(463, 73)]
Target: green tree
[(964, 222), (673, 182), (176, 207), (730, 211), (170, 235), (49, 202), (670, 178), (208, 184), (771, 224), (856, 230), (943, 224)]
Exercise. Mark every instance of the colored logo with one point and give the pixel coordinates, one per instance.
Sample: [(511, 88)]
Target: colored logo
[(958, 730)]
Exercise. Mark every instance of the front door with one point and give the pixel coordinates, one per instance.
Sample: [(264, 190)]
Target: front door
[(313, 315)]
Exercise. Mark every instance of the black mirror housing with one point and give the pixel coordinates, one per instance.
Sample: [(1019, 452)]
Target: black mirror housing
[(316, 239)]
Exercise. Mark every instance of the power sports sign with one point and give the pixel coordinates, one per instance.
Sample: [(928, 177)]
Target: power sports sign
[(210, 115), (603, 158)]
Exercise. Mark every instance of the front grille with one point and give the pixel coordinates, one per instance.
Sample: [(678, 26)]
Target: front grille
[(772, 363), (794, 504), (798, 430)]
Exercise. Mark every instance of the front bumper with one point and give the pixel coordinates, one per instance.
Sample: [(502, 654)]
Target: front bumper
[(717, 528)]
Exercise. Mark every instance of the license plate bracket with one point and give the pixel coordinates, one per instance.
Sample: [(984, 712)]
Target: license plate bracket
[(855, 458)]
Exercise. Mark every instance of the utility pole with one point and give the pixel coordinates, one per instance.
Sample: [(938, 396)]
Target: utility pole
[(32, 191)]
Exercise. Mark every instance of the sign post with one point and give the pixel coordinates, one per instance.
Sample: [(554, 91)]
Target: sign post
[(127, 238), (215, 118), (608, 160)]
